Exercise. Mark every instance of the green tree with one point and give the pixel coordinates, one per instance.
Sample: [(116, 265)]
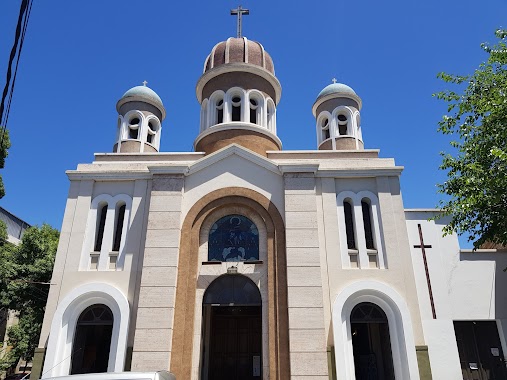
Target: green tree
[(24, 288), (5, 144), (477, 169)]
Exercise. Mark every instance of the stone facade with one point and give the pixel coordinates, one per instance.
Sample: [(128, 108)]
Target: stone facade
[(332, 234)]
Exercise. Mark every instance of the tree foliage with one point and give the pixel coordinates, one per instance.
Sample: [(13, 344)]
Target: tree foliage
[(477, 170), (5, 144), (25, 272)]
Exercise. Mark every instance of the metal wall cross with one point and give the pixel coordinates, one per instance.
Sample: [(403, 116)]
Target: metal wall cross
[(423, 249), (239, 12)]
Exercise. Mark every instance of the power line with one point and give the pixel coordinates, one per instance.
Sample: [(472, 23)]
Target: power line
[(12, 68)]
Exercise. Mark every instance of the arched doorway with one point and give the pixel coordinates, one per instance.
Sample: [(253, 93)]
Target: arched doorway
[(232, 330), (92, 340), (371, 343)]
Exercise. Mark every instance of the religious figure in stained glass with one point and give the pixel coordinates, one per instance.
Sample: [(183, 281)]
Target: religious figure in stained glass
[(233, 238)]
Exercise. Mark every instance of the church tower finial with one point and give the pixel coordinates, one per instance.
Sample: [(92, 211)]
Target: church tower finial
[(239, 11)]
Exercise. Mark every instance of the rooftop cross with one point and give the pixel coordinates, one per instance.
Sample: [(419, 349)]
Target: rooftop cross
[(334, 80), (145, 83), (240, 12)]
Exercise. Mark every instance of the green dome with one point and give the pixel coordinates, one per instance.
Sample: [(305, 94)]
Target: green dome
[(143, 92), (337, 88)]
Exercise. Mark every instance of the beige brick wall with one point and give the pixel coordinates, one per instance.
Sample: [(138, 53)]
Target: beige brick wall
[(154, 322), (308, 356)]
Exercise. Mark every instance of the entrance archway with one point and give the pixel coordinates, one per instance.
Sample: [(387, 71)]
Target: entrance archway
[(371, 343), (232, 330), (92, 340)]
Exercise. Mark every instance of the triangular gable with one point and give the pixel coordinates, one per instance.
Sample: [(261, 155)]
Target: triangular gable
[(233, 149)]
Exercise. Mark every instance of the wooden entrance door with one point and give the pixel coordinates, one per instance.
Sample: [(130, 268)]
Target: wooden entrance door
[(235, 343), (480, 351)]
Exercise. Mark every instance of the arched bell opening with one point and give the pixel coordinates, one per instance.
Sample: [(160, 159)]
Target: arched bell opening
[(371, 343), (231, 346)]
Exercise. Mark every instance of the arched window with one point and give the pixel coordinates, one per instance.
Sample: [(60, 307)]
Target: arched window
[(257, 106), (360, 226), (254, 105), (349, 225), (342, 124), (101, 223), (368, 231), (106, 233), (371, 343), (92, 340), (236, 108), (152, 132), (233, 238), (133, 128), (324, 125), (219, 111), (118, 227)]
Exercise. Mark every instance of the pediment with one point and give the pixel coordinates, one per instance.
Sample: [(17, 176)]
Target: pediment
[(232, 151)]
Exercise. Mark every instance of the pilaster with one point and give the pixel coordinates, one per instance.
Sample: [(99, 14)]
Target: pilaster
[(308, 353), (154, 322)]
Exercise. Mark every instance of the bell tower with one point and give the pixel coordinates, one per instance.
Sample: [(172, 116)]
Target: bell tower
[(338, 119), (238, 93), (141, 113)]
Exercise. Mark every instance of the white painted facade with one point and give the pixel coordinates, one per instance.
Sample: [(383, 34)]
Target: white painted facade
[(328, 272)]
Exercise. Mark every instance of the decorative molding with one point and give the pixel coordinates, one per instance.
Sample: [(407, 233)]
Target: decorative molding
[(241, 126), (400, 328), (360, 173), (63, 326), (112, 175), (299, 168)]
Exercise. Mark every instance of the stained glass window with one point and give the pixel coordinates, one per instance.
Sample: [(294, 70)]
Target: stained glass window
[(233, 238)]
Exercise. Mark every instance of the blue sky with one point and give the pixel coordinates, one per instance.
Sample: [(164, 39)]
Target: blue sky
[(80, 57)]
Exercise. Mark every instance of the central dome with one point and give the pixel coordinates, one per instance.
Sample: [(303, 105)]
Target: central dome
[(239, 50)]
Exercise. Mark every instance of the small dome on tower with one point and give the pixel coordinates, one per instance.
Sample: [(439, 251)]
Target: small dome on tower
[(143, 92), (336, 111), (239, 50), (336, 88), (141, 113)]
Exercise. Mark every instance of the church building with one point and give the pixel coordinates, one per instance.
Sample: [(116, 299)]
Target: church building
[(241, 260)]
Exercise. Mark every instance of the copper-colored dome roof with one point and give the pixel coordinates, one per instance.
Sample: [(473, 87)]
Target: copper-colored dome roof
[(239, 50)]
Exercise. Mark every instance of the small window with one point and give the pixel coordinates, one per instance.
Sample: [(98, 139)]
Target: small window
[(349, 225), (368, 232), (236, 108), (118, 229), (253, 111), (342, 125), (324, 124), (134, 128), (101, 222), (152, 131), (219, 111)]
